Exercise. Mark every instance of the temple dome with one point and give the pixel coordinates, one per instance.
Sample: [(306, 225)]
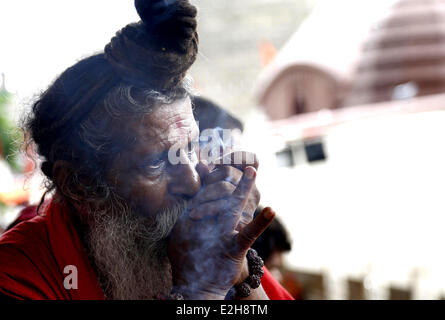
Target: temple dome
[(403, 56)]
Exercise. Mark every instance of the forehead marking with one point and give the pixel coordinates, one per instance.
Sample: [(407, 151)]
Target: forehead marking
[(179, 122)]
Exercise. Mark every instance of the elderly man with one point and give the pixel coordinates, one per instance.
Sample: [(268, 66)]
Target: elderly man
[(133, 213)]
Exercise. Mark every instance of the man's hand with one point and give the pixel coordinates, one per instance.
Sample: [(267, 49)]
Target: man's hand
[(222, 182), (208, 246)]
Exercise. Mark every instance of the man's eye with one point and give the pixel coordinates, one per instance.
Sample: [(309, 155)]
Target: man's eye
[(156, 164), (154, 167)]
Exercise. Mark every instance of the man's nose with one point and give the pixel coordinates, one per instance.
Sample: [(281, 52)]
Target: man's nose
[(185, 180)]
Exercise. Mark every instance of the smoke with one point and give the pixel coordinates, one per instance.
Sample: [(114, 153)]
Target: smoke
[(207, 267), (214, 144)]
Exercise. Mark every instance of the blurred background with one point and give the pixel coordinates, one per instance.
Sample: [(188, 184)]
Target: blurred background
[(342, 100)]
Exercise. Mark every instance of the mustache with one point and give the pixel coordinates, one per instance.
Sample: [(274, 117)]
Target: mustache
[(165, 220)]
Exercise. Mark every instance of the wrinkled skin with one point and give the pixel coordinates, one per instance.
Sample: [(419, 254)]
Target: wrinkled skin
[(143, 175), (206, 250), (221, 202)]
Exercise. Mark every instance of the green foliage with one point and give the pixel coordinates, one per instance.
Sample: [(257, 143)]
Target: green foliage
[(9, 133), (3, 208)]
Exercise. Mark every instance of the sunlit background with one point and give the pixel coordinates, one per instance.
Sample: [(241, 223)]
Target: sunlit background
[(341, 99)]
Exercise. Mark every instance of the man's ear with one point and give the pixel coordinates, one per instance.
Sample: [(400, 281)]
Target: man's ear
[(63, 172)]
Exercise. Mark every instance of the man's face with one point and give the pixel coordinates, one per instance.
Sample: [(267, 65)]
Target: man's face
[(144, 176)]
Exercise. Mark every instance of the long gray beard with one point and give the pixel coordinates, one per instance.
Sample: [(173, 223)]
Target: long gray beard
[(129, 255)]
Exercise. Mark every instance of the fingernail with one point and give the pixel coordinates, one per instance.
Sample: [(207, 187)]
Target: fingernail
[(269, 213), (250, 172)]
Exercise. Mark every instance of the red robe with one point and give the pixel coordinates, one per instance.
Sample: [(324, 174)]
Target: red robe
[(35, 252)]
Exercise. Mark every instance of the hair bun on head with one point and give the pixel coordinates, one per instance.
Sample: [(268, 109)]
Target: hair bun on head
[(157, 51)]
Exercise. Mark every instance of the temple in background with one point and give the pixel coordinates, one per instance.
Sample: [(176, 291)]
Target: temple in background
[(376, 51), (351, 153)]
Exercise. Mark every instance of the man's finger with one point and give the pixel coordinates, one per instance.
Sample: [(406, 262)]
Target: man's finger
[(238, 200), (208, 209), (223, 173), (212, 192), (247, 236), (203, 170)]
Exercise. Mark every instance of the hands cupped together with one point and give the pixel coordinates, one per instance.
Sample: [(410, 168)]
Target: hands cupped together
[(207, 247)]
